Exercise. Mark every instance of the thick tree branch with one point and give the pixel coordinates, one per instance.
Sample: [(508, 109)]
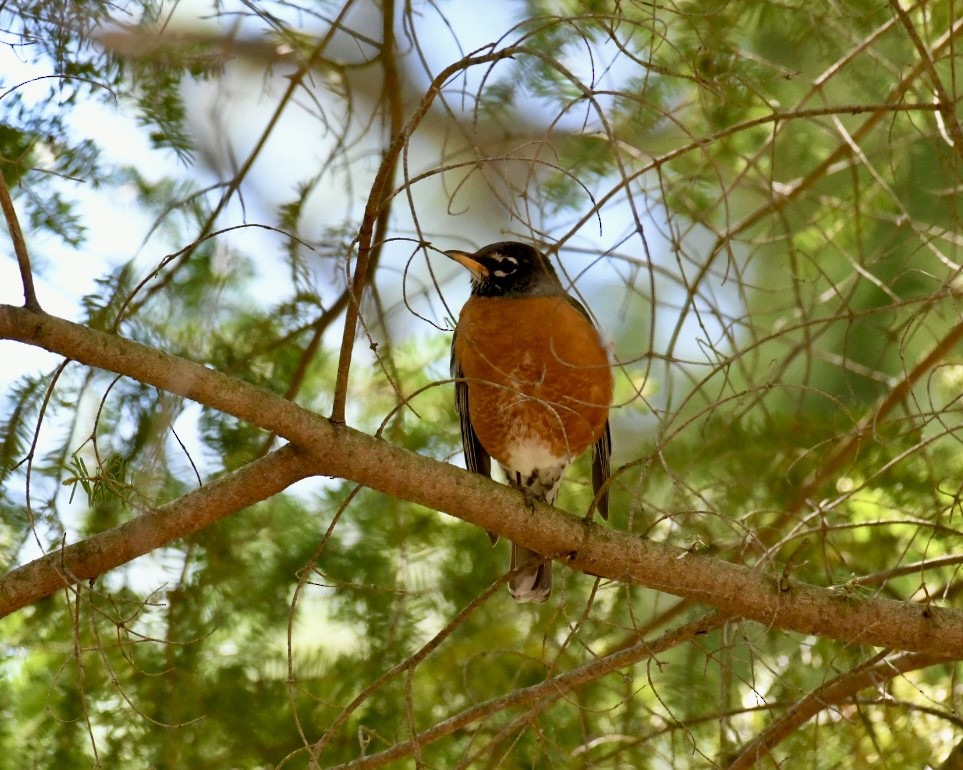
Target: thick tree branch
[(339, 451), (191, 513)]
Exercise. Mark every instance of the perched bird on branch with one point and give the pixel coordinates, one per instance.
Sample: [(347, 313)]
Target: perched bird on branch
[(533, 385)]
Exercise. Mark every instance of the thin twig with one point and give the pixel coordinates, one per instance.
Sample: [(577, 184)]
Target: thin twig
[(319, 327), (183, 256), (946, 105), (407, 664), (897, 393), (878, 578)]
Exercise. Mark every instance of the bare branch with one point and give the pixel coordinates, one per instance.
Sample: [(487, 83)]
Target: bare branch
[(19, 246), (339, 451), (874, 416), (191, 513), (380, 192), (546, 691), (945, 103), (407, 665), (874, 672), (378, 210)]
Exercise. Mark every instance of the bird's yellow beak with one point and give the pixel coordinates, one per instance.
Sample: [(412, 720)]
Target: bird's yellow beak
[(468, 260)]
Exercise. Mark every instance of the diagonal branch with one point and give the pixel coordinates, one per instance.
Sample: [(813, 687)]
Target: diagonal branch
[(19, 246), (377, 199), (378, 208), (184, 516), (872, 673), (945, 103), (900, 390), (544, 692), (339, 451)]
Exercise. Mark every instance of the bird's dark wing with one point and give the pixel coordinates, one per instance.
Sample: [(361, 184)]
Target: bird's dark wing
[(603, 447), (600, 468), (477, 459)]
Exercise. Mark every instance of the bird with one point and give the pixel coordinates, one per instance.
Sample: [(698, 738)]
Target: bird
[(533, 386)]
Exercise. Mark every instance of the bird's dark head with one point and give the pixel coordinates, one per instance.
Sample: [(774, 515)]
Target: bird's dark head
[(508, 269)]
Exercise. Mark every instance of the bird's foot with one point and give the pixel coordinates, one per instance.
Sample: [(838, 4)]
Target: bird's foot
[(530, 498)]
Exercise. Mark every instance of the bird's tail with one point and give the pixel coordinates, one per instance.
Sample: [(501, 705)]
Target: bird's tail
[(532, 584)]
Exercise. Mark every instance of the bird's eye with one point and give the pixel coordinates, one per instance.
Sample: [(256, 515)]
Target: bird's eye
[(506, 265)]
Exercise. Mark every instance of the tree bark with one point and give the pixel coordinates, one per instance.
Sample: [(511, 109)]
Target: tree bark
[(339, 451)]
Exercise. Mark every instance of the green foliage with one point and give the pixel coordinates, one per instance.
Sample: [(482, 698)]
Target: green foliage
[(161, 109), (784, 254), (35, 145)]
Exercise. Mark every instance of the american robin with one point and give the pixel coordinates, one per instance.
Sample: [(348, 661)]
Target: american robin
[(533, 385)]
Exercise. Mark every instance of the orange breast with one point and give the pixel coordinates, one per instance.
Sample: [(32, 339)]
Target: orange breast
[(537, 376)]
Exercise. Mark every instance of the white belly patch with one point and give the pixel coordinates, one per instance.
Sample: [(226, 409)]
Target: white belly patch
[(535, 469)]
